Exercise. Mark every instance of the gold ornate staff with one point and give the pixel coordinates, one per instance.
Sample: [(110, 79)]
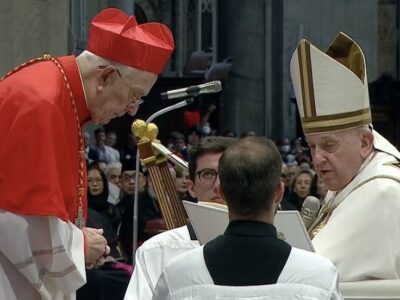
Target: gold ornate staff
[(171, 206)]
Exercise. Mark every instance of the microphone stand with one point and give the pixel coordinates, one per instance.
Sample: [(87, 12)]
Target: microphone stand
[(136, 199)]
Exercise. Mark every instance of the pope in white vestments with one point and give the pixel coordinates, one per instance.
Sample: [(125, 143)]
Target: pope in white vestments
[(358, 228)]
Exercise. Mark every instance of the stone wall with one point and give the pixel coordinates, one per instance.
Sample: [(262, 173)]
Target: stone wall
[(319, 22), (30, 28)]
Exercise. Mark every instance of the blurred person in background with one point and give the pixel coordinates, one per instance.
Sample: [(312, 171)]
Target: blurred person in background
[(106, 153), (92, 155), (300, 188), (111, 139), (113, 173), (181, 182)]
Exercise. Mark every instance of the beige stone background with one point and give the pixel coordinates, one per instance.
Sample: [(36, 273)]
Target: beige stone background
[(29, 28)]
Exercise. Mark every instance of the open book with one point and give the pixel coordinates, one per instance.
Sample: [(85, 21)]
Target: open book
[(209, 222)]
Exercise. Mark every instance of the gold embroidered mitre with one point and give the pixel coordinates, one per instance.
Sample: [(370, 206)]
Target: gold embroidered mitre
[(331, 87)]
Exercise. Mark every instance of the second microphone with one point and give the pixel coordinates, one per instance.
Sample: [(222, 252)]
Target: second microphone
[(192, 91)]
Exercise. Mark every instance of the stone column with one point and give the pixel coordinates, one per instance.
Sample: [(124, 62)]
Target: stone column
[(250, 32), (126, 5)]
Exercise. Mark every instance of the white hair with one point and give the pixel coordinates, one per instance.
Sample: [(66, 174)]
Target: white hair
[(110, 166), (95, 61), (364, 128), (357, 131)]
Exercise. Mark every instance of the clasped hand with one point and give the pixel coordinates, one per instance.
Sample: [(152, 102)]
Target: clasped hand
[(96, 250)]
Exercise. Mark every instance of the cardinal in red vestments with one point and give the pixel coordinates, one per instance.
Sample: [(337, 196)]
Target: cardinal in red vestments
[(44, 244)]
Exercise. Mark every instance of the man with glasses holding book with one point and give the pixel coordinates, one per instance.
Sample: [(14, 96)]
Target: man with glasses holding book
[(154, 255)]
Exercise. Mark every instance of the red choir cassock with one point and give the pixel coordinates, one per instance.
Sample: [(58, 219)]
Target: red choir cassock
[(40, 142)]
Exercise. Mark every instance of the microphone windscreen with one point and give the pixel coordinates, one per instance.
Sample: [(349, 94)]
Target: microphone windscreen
[(210, 87), (309, 210)]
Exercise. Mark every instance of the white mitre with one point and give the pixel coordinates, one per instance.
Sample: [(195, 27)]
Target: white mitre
[(331, 87)]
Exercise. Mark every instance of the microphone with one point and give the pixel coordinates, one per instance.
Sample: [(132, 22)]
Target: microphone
[(309, 210), (194, 90)]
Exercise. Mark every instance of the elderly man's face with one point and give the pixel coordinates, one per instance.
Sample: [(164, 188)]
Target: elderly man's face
[(206, 190), (113, 175), (115, 93), (337, 157)]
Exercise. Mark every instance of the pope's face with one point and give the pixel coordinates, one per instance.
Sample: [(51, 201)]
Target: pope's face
[(116, 94), (337, 157), (206, 191)]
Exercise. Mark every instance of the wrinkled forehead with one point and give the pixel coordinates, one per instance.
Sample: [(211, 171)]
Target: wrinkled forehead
[(317, 138)]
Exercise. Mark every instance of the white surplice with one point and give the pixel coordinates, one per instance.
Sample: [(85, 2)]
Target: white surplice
[(40, 258), (362, 236), (305, 275), (152, 257)]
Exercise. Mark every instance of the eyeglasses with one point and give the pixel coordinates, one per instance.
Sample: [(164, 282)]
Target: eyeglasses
[(132, 99), (207, 176), (128, 177)]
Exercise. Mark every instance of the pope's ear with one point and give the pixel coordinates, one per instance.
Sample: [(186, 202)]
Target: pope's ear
[(367, 143)]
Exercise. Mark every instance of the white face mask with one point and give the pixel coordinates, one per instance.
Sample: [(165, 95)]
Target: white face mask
[(290, 158), (206, 130), (285, 148)]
